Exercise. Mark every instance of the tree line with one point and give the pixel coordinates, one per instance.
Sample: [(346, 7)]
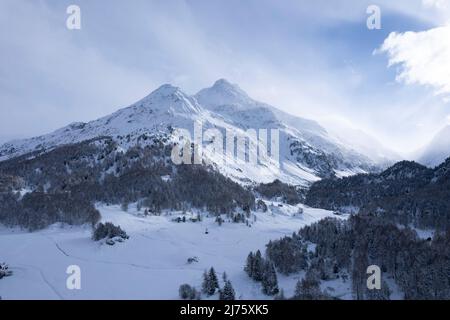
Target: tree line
[(406, 193), (63, 184), (344, 249), (210, 286)]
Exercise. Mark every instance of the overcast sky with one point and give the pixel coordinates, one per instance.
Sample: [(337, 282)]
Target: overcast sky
[(315, 59)]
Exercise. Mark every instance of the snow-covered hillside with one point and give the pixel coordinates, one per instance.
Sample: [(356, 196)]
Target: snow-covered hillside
[(304, 144), (437, 150), (363, 143), (307, 151), (152, 264)]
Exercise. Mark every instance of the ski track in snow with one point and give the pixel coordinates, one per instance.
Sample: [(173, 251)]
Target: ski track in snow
[(64, 252), (45, 280)]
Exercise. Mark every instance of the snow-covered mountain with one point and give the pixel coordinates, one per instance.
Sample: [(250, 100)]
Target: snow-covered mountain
[(307, 151), (304, 144), (437, 150), (363, 143)]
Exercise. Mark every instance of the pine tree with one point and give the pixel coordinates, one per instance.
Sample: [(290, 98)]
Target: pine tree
[(269, 279), (258, 267), (214, 282), (299, 290), (308, 288), (206, 283), (249, 266), (186, 292), (228, 292), (210, 282)]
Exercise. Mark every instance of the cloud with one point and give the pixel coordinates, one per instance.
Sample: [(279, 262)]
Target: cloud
[(423, 57), (46, 74), (311, 59), (440, 4)]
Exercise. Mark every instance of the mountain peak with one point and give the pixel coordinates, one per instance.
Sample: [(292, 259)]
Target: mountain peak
[(223, 92), (166, 90), (223, 85)]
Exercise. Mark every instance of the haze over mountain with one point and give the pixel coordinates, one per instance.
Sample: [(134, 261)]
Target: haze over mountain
[(307, 151), (437, 150)]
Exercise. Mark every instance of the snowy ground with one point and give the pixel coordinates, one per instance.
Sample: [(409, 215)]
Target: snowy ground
[(152, 263)]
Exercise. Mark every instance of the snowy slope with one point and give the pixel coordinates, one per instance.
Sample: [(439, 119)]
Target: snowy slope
[(363, 143), (234, 105), (152, 264), (307, 151), (438, 150)]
